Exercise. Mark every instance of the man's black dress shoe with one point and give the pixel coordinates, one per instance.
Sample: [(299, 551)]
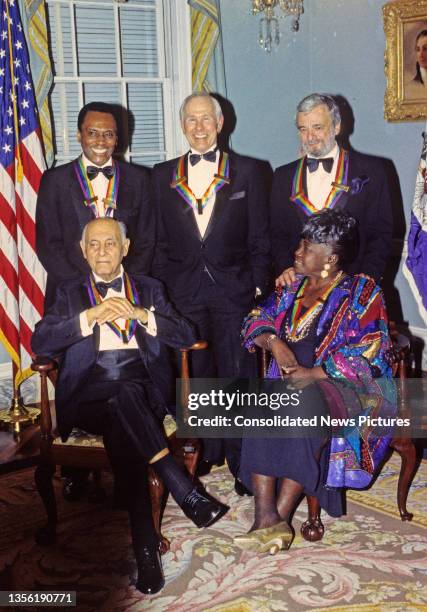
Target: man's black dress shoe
[(150, 574), (201, 509), (240, 488), (74, 489)]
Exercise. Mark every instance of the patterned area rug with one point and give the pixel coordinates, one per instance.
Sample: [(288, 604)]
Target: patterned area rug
[(367, 561)]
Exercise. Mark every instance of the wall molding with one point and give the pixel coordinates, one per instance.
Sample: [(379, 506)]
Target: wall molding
[(177, 36)]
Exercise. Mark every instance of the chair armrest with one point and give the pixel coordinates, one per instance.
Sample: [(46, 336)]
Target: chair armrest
[(46, 367), (42, 364), (197, 346), (185, 370)]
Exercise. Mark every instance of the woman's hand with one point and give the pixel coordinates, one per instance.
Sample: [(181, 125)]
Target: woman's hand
[(284, 357), (286, 278), (280, 351), (301, 377)]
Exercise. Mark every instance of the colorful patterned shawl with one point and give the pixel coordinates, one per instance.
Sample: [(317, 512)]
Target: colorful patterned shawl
[(354, 348)]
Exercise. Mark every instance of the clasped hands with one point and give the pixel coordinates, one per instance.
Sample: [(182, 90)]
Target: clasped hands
[(290, 369), (115, 308), (285, 359)]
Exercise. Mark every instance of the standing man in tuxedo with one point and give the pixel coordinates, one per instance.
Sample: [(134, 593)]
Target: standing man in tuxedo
[(93, 185), (212, 248), (329, 177), (111, 330)]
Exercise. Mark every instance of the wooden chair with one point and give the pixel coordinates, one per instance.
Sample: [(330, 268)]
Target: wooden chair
[(83, 450), (312, 529)]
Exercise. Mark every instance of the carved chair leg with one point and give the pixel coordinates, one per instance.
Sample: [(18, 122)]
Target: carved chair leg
[(43, 476), (157, 494), (312, 529), (408, 454), (97, 492), (191, 461), (192, 456)]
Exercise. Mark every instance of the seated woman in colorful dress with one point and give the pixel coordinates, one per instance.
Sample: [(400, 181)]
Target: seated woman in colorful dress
[(328, 329)]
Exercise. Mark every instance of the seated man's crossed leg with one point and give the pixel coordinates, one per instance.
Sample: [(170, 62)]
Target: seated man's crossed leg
[(117, 403)]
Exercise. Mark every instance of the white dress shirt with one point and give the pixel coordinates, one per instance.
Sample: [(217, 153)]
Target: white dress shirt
[(200, 176), (99, 184), (108, 340), (319, 183)]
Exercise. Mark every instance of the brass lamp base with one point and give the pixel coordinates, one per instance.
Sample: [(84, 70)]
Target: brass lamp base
[(18, 413)]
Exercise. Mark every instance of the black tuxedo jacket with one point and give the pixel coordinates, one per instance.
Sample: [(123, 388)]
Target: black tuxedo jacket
[(235, 248), (371, 207), (61, 216), (59, 334)]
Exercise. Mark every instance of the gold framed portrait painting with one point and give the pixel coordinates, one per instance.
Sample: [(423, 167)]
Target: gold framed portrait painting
[(405, 27)]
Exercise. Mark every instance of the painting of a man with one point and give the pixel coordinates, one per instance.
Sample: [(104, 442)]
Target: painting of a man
[(415, 61)]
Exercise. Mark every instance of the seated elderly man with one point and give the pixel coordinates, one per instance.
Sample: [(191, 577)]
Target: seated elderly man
[(110, 330)]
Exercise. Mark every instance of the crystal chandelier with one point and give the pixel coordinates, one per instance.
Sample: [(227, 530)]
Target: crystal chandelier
[(269, 31)]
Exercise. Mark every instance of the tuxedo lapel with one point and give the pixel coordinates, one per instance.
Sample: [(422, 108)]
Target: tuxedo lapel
[(83, 212), (124, 194), (342, 202), (81, 300), (304, 177), (222, 199), (188, 215), (149, 346), (178, 201), (82, 303), (140, 334), (301, 214)]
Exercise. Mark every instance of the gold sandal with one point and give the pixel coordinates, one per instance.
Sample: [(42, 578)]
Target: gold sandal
[(269, 539)]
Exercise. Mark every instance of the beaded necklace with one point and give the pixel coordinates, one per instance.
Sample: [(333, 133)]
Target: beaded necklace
[(299, 325)]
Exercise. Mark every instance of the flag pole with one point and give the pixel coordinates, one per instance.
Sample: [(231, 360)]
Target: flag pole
[(18, 414), (21, 160)]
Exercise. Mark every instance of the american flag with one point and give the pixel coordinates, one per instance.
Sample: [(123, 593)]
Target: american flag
[(22, 277)]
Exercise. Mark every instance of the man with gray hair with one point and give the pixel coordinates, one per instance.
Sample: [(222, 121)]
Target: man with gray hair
[(111, 331), (212, 249), (95, 185), (327, 176)]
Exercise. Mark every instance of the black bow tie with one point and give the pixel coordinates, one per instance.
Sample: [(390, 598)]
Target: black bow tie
[(115, 284), (313, 163), (210, 156), (93, 171)]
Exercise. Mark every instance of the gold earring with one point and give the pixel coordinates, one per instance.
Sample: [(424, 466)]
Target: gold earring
[(325, 272)]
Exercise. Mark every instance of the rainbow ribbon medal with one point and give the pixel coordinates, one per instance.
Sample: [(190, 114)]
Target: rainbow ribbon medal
[(220, 179), (90, 199), (131, 294), (300, 324), (339, 185)]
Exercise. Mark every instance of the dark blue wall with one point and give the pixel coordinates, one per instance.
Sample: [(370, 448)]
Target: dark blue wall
[(339, 49)]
